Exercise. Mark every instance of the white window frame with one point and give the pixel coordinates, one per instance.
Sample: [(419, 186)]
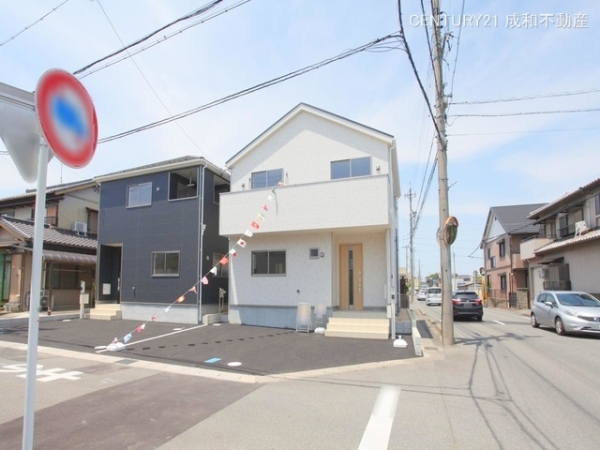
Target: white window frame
[(268, 273), (138, 187), (164, 274)]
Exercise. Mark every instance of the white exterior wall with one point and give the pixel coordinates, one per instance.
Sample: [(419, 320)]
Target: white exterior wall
[(583, 263), (304, 149)]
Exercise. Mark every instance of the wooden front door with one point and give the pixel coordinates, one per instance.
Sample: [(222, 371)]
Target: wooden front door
[(351, 277)]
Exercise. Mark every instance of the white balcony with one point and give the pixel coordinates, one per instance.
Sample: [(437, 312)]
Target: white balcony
[(356, 202)]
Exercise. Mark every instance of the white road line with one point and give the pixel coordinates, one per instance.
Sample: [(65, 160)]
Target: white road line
[(377, 433), (498, 322), (156, 337)]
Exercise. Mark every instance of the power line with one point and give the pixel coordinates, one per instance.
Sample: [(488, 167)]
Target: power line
[(280, 79), (527, 131), (148, 82), (34, 23), (162, 39), (528, 113), (528, 97), (462, 14), (194, 13)]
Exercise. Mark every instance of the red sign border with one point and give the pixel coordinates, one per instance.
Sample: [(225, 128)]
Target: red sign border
[(47, 84)]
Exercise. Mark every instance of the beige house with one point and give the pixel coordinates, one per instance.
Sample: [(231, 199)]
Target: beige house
[(565, 255), (69, 250)]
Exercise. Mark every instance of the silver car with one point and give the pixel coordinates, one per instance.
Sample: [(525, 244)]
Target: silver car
[(567, 312)]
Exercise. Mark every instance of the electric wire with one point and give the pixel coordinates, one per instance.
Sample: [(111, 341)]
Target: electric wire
[(274, 81), (462, 14), (528, 113), (149, 84), (131, 53), (194, 13), (31, 25), (525, 132), (528, 97), (428, 42)]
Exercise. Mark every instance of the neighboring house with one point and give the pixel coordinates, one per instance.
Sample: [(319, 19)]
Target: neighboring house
[(158, 236), (69, 249), (329, 236), (566, 253), (506, 278)]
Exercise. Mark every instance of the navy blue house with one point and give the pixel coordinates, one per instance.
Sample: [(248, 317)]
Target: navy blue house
[(158, 236)]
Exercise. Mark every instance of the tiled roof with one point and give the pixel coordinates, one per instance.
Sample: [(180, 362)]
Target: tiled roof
[(24, 229), (571, 196), (514, 220), (30, 193), (590, 236)]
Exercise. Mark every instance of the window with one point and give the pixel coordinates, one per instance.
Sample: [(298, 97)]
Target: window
[(493, 262), (183, 184), (266, 178), (313, 253), (489, 253), (503, 282), (268, 263), (165, 264), (502, 248), (597, 205), (139, 195), (563, 225), (349, 168), (8, 214), (222, 270)]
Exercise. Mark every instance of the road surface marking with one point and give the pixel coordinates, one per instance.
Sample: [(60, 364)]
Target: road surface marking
[(47, 375), (377, 433), (100, 350), (498, 322)]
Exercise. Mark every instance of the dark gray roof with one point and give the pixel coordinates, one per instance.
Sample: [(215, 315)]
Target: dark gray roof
[(24, 229), (514, 220)]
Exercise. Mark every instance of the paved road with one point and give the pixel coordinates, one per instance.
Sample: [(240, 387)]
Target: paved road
[(503, 385)]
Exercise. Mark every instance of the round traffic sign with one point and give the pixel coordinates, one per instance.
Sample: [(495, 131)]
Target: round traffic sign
[(67, 117)]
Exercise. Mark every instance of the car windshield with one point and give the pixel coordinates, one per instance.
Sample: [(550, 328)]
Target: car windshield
[(435, 291), (466, 294), (574, 299)]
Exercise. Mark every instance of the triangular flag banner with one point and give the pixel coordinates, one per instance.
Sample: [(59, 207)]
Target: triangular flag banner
[(224, 260), (265, 207), (281, 183), (193, 289), (260, 216), (180, 299), (139, 328), (255, 225), (167, 309), (154, 318), (232, 252), (214, 271), (127, 338), (270, 198), (241, 243), (204, 280), (248, 233)]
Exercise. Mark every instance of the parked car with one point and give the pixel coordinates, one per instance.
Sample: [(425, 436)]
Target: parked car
[(467, 304), (566, 312), (434, 296), (422, 295)]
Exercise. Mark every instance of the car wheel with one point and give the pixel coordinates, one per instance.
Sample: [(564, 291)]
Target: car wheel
[(534, 322), (479, 318), (560, 328)]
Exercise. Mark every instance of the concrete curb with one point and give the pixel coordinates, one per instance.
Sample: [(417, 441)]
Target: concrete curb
[(416, 336)]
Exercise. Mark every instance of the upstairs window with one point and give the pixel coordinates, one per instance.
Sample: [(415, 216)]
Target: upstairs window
[(350, 168), (165, 264), (502, 248), (183, 184), (266, 178), (139, 195), (597, 207), (563, 225)]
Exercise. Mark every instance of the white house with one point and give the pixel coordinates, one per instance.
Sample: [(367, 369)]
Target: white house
[(322, 191)]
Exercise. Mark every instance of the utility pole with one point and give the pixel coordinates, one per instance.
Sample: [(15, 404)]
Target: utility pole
[(442, 160), (410, 196)]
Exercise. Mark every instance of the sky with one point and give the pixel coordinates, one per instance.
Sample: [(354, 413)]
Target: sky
[(542, 55)]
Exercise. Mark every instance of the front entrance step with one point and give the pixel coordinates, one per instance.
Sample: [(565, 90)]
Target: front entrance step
[(106, 311), (363, 328)]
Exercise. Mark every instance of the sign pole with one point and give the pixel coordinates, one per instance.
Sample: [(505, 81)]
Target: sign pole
[(35, 291)]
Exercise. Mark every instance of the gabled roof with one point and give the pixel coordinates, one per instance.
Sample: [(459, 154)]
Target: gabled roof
[(565, 201), (29, 196), (513, 219), (303, 107), (163, 166), (24, 229)]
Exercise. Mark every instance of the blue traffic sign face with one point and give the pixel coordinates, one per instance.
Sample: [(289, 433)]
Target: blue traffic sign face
[(67, 117)]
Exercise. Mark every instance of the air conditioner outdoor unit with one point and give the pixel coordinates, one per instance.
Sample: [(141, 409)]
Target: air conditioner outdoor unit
[(80, 227), (581, 228)]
